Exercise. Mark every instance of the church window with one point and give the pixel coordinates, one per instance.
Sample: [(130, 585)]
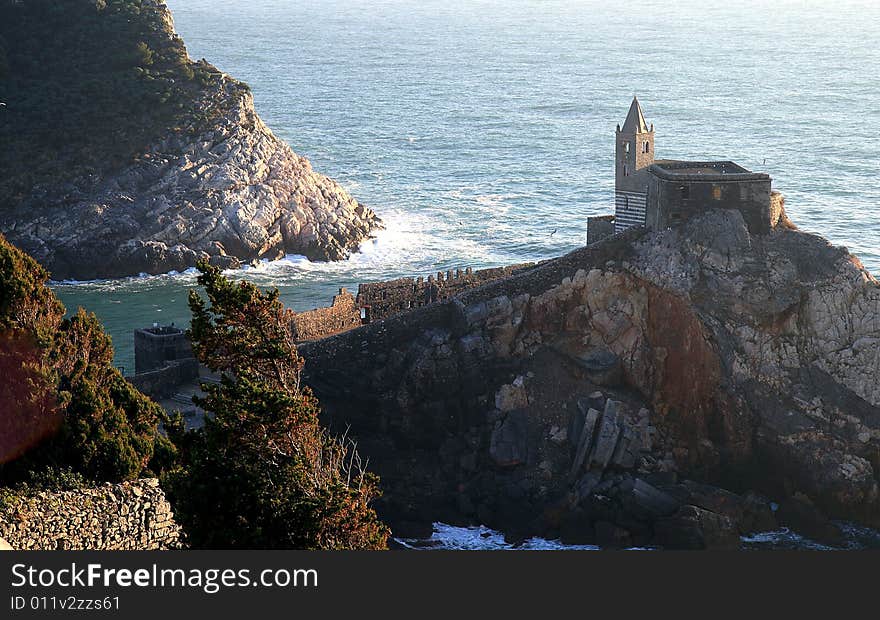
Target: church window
[(626, 147), (625, 171), (647, 147)]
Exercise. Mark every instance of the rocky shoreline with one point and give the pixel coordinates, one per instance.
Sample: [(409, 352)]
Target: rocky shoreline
[(224, 189), (232, 194)]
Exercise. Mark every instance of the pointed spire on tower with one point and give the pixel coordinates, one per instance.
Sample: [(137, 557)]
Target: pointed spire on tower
[(635, 120)]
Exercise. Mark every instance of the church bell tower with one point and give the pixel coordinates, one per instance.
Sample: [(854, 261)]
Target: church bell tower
[(634, 152)]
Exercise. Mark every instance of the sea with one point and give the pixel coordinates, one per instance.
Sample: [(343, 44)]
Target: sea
[(445, 537), (482, 131)]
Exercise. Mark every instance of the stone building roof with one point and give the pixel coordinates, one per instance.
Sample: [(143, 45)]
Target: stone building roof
[(635, 120), (677, 170)]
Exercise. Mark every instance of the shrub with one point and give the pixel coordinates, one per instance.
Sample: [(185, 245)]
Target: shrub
[(62, 403), (262, 472), (144, 55)]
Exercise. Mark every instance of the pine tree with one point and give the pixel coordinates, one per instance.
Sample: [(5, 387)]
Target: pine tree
[(262, 472)]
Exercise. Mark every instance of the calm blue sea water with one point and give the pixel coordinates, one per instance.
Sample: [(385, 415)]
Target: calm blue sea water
[(477, 128)]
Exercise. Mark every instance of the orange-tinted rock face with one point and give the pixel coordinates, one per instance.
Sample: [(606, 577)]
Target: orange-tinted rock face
[(687, 368)]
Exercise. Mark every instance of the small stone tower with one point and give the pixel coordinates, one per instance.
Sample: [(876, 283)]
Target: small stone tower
[(634, 152)]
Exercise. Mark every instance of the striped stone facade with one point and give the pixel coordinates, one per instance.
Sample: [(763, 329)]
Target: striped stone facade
[(629, 210)]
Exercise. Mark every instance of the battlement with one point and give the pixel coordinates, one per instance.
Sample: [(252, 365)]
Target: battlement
[(380, 300), (343, 314), (164, 357), (156, 346)]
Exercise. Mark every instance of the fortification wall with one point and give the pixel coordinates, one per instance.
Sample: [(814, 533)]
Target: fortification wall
[(384, 299), (380, 300), (128, 516), (163, 382), (156, 346), (342, 315)]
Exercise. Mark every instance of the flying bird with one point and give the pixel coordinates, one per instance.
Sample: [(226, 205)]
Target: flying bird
[(554, 232)]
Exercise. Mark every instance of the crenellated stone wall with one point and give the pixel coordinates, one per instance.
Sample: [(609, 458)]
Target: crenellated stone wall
[(384, 299), (342, 315), (155, 346), (129, 516), (380, 300)]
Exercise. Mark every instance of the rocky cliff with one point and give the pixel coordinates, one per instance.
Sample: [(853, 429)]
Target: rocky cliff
[(654, 388), (200, 175)]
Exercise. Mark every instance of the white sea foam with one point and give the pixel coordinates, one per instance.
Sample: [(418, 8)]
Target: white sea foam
[(782, 538), (401, 238), (482, 538), (142, 277)]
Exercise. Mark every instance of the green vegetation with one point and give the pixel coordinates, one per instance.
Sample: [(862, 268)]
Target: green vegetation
[(89, 85), (263, 473), (48, 479), (66, 413)]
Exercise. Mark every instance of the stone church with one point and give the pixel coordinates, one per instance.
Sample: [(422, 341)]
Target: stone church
[(660, 193)]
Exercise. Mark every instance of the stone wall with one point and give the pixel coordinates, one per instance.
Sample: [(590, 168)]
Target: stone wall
[(384, 299), (677, 197), (777, 208), (155, 346), (128, 516), (380, 300), (342, 315), (426, 397), (599, 227), (163, 382)]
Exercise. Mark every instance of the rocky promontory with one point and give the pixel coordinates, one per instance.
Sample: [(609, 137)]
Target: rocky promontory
[(198, 176), (678, 388)]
